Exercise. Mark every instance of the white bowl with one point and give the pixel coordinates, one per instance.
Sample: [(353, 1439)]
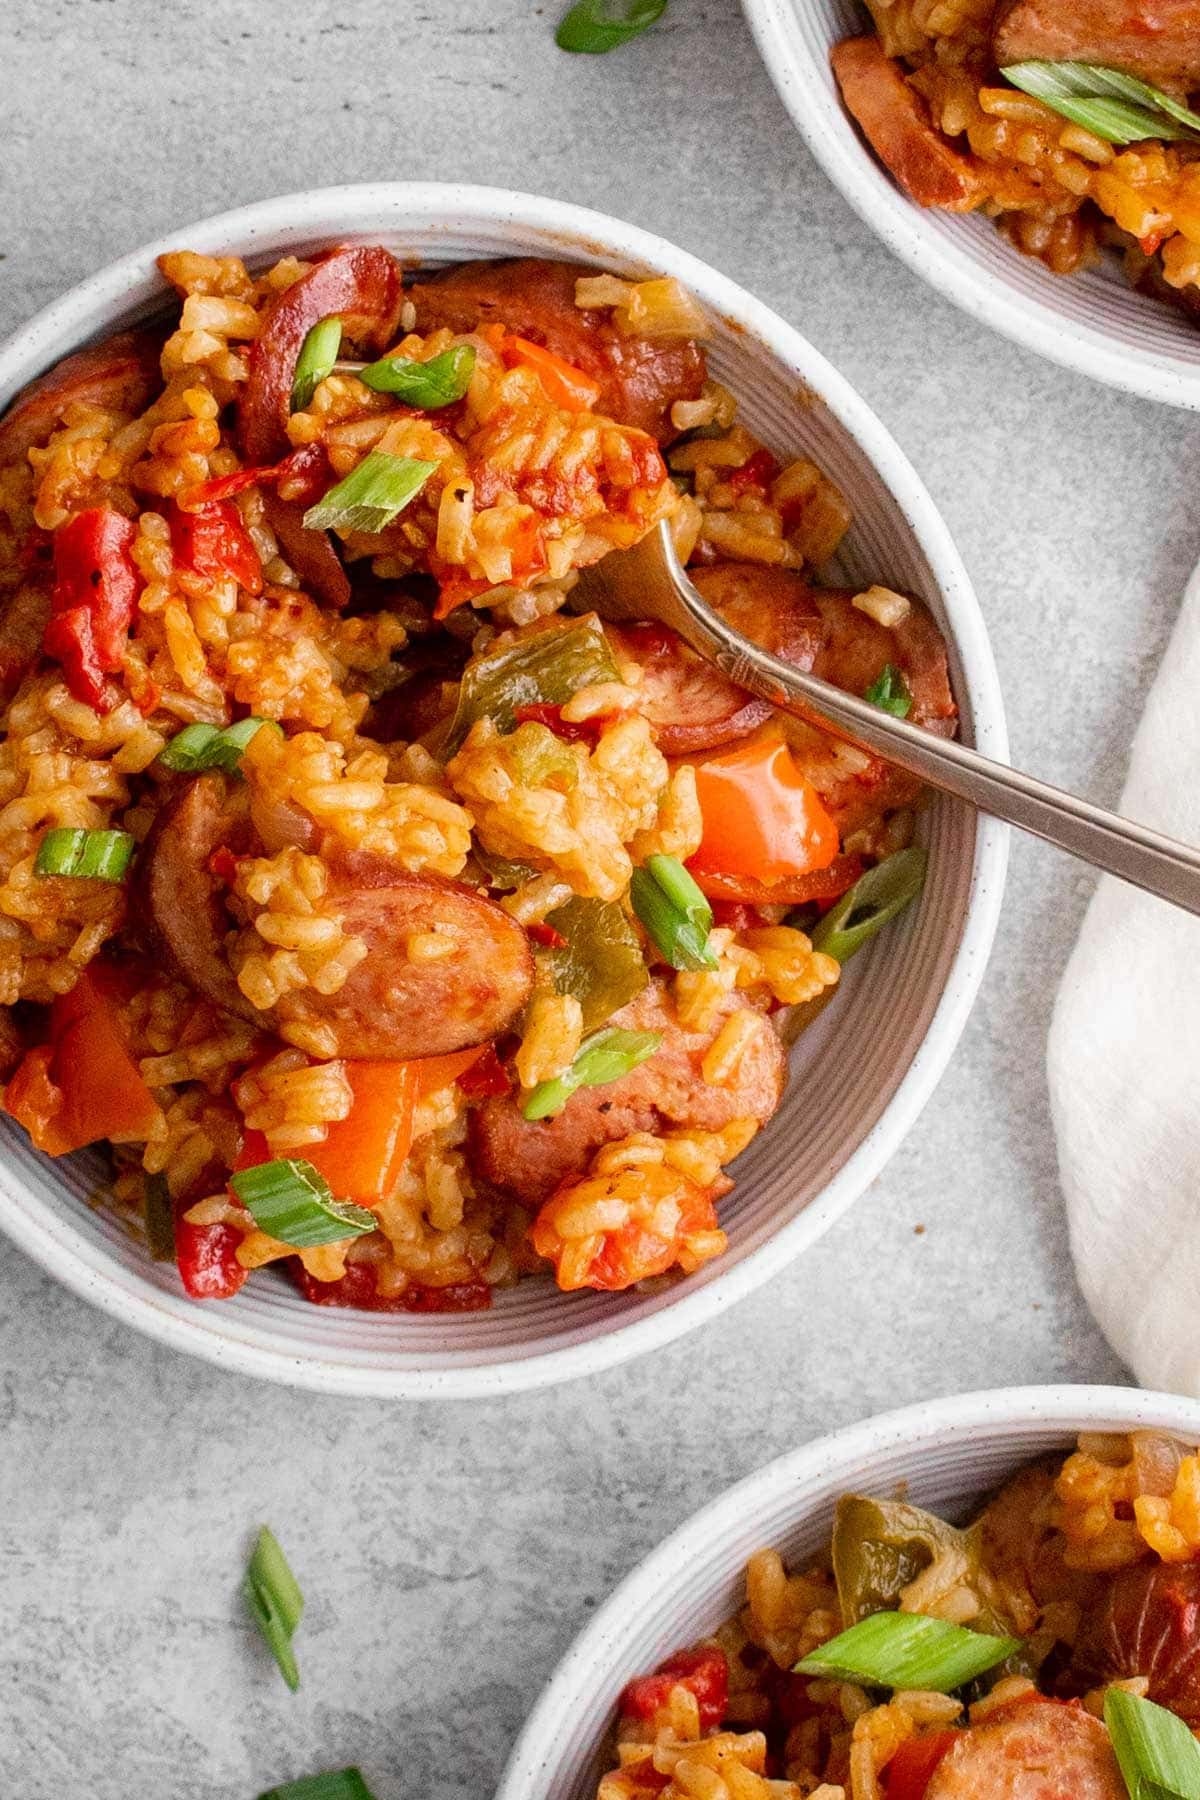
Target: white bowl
[(877, 1068), (1093, 322), (948, 1453)]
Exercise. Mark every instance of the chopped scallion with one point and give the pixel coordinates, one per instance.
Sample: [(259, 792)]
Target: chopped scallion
[(85, 855), (318, 353), (594, 26), (674, 912), (889, 691), (907, 1650), (1113, 106), (1159, 1757), (871, 903), (372, 495), (158, 1215), (291, 1201), (603, 1057), (211, 746), (273, 1595), (439, 382), (338, 1784)]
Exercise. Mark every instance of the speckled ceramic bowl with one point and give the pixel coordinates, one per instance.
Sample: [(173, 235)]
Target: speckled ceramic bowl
[(872, 1067), (947, 1454), (1093, 322)]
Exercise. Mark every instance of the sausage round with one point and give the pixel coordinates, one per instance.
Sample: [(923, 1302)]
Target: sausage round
[(121, 375), (1146, 1621), (641, 378), (1032, 1750), (528, 1159)]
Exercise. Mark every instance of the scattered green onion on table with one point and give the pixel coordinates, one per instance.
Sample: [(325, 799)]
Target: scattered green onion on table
[(907, 1650), (291, 1201), (85, 855), (372, 495), (595, 26), (318, 354), (1116, 107), (676, 914), (276, 1604), (603, 1057), (337, 1784)]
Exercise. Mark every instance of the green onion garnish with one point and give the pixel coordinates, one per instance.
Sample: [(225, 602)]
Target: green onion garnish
[(595, 26), (603, 1057), (291, 1201), (211, 746), (318, 353), (85, 855), (275, 1601), (1159, 1757), (439, 382), (338, 1784), (1116, 107), (875, 898), (889, 691), (372, 495), (674, 912), (907, 1650), (158, 1216)]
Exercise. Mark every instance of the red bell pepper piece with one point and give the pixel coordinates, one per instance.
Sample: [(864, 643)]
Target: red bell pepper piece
[(757, 471), (823, 886), (486, 1076), (565, 385), (703, 1671), (541, 933), (213, 542), (92, 603), (206, 1256), (34, 1099), (540, 712), (358, 1287), (912, 1768)]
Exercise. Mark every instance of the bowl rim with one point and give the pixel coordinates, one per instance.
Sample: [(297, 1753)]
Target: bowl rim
[(990, 1412), (819, 117), (218, 1335)]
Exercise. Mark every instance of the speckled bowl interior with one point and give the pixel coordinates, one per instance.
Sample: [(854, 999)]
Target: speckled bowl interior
[(947, 1455), (859, 1077), (1093, 322)]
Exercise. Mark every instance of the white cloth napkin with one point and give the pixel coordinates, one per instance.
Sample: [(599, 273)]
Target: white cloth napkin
[(1124, 1062)]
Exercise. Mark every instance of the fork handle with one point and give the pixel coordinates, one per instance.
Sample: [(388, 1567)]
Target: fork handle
[(1161, 865)]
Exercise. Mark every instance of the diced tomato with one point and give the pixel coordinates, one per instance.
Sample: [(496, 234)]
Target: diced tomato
[(455, 591), (1154, 240), (223, 864), (358, 1287), (735, 915), (761, 815), (646, 1242), (824, 886), (92, 603), (582, 731), (485, 1077), (541, 933), (206, 1256), (565, 385), (703, 1671), (912, 1767), (212, 540), (302, 473), (437, 1072), (757, 471)]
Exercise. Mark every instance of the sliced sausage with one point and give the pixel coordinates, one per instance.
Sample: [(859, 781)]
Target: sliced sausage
[(360, 284), (310, 553), (121, 375), (1158, 40), (896, 124), (855, 649), (1146, 1621), (529, 1160), (641, 378), (24, 615), (12, 1044), (1032, 1750), (388, 1007)]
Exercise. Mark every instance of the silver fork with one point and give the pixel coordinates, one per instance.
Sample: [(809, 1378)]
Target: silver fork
[(648, 582)]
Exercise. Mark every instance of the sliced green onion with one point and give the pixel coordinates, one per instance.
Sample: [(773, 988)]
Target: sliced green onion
[(372, 495), (1116, 107), (291, 1201), (603, 1057), (1159, 1757), (674, 912), (338, 1784), (439, 382), (211, 746), (871, 903), (889, 691), (84, 855), (158, 1216), (594, 26), (907, 1650), (275, 1601), (318, 353)]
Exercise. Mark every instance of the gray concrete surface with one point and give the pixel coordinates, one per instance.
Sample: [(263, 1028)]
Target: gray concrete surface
[(451, 1552)]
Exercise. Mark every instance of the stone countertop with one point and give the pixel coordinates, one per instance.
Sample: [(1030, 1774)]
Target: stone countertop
[(450, 1552)]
